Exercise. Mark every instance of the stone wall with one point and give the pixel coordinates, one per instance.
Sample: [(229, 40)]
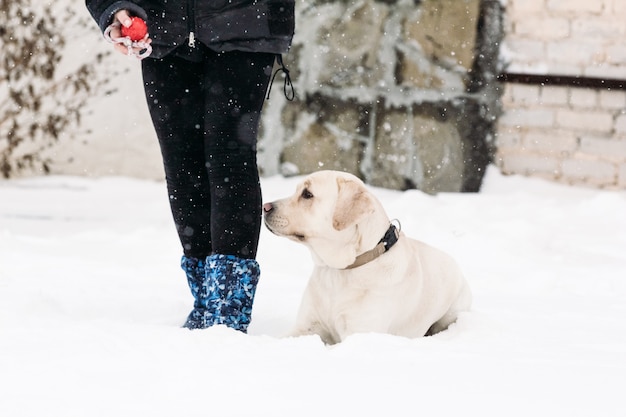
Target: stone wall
[(571, 127), (398, 92)]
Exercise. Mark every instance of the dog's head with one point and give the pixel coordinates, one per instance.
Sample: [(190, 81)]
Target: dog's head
[(333, 214)]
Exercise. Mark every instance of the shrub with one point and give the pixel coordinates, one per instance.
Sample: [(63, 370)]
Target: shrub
[(37, 104)]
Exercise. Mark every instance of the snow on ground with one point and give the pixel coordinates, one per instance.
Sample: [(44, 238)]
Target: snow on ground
[(92, 297)]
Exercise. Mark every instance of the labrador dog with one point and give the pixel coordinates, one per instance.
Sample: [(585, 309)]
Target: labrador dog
[(368, 276)]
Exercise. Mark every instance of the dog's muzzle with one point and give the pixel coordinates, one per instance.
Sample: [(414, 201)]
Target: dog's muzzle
[(273, 221)]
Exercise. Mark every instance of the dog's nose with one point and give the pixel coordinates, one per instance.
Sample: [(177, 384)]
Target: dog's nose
[(267, 207)]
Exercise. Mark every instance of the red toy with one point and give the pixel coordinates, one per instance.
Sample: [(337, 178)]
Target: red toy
[(137, 29)]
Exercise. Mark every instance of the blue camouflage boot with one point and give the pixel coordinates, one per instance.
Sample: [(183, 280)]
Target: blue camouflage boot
[(199, 318), (223, 287), (231, 283)]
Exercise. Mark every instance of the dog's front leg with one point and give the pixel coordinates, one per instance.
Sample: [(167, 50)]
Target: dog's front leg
[(360, 320), (308, 323)]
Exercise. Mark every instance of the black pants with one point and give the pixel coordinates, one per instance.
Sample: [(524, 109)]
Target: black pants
[(206, 114)]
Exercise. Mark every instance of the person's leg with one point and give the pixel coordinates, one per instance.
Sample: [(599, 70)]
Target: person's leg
[(174, 93), (236, 84), (175, 97)]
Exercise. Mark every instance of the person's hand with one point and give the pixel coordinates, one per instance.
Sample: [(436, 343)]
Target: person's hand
[(123, 18)]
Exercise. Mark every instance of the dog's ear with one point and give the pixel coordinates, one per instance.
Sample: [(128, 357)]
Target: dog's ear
[(353, 204)]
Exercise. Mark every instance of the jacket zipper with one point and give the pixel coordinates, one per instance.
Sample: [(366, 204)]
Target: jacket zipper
[(191, 23)]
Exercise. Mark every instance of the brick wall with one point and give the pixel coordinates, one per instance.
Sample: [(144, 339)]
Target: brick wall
[(563, 132)]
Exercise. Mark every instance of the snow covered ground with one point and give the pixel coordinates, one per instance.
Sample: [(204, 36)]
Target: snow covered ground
[(92, 297)]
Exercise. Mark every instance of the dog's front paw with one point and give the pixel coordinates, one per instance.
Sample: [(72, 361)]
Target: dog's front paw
[(325, 336)]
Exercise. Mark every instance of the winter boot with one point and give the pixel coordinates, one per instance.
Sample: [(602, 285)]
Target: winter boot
[(231, 284), (199, 318)]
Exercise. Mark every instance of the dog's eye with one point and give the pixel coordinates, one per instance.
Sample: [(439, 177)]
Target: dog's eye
[(306, 194)]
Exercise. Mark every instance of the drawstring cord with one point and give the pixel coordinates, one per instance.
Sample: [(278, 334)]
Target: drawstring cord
[(288, 83)]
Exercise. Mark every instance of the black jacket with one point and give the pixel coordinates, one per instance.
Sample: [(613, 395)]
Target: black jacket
[(222, 25)]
